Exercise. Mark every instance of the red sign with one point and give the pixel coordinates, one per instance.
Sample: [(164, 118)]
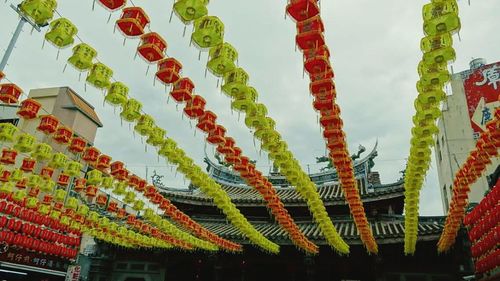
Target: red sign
[(482, 92)]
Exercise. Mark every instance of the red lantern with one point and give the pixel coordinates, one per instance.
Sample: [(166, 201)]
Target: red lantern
[(8, 156), (103, 162), (150, 191), (4, 175), (242, 165), (132, 21), (310, 33), (156, 199), (216, 136), (206, 122), (323, 101), (77, 145), (112, 206), (34, 191), (79, 184), (317, 65), (182, 90), (227, 147), (320, 76), (113, 5), (10, 93), (63, 135), (63, 179), (234, 157), (321, 86), (121, 213), (195, 107), (47, 172), (152, 47), (29, 109), (121, 175), (91, 191), (116, 167), (48, 124), (28, 165), (302, 9), (141, 185), (22, 183), (133, 180), (168, 70), (90, 155)]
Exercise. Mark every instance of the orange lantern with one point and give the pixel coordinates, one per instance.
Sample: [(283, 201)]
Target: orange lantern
[(63, 135), (5, 175), (216, 136), (79, 184), (34, 191), (323, 101), (48, 124), (321, 86), (90, 155), (206, 122), (234, 157), (320, 76), (113, 5), (195, 107), (8, 156), (22, 183), (152, 47), (77, 145), (227, 147), (302, 9), (91, 191), (182, 90), (112, 206), (116, 167), (242, 165), (47, 172), (121, 175), (133, 180), (156, 199), (150, 191), (29, 109), (169, 70), (132, 21), (310, 33), (103, 162), (63, 179), (28, 165), (141, 185), (10, 93)]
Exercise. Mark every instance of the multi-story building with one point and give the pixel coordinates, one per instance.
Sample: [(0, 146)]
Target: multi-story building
[(474, 96)]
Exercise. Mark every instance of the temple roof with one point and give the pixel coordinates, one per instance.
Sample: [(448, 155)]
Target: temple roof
[(387, 229)]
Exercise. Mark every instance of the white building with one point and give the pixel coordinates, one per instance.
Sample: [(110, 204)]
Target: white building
[(474, 96)]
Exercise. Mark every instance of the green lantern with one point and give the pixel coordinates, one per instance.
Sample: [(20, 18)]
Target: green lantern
[(120, 188), (25, 143), (138, 205), (167, 147), (222, 59), (131, 111), (82, 57), (73, 168), (144, 125), (129, 197), (100, 76), (41, 11), (235, 82), (94, 177), (62, 33), (441, 17), (34, 181), (189, 10), (245, 100), (58, 160), (434, 74), (107, 182), (47, 186), (256, 117), (117, 94), (7, 131), (208, 32), (156, 136)]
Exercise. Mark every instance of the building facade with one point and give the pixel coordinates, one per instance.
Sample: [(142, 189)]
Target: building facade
[(474, 96)]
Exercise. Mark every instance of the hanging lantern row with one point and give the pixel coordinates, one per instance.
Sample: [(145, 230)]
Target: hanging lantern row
[(209, 33), (440, 22), (475, 165), (484, 232), (310, 40)]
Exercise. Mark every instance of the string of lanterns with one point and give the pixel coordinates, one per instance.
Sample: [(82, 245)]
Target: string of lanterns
[(310, 40), (484, 232), (486, 148), (152, 49), (209, 34), (63, 135), (100, 77), (441, 21)]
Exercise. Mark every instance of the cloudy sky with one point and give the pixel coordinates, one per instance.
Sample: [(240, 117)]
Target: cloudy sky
[(375, 52)]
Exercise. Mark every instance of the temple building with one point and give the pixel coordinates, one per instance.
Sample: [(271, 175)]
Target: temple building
[(383, 204)]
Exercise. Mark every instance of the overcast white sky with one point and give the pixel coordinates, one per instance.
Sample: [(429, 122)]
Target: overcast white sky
[(375, 52)]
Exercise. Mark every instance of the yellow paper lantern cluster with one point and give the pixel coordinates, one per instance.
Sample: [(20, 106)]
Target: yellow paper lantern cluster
[(440, 22)]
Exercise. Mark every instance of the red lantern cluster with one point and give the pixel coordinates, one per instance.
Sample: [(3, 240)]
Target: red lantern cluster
[(10, 93), (29, 109), (316, 61), (475, 165), (484, 232)]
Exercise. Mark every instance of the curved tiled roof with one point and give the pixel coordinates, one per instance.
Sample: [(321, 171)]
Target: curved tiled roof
[(387, 229), (330, 193)]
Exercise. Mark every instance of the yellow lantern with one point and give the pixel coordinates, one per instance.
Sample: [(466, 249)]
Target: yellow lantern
[(188, 10), (235, 82), (94, 177), (83, 210), (131, 111), (100, 76), (41, 11), (44, 209), (34, 181), (245, 100), (256, 116), (19, 195), (222, 59), (144, 125), (208, 32), (156, 136), (107, 182), (441, 17), (117, 94), (16, 175), (42, 152), (71, 203), (25, 143), (129, 197), (138, 205), (73, 168), (7, 131), (55, 214), (83, 56), (59, 195), (31, 202), (47, 185), (92, 216), (58, 160), (7, 187), (61, 33), (120, 187)]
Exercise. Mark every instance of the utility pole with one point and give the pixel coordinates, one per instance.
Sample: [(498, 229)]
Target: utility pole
[(13, 40)]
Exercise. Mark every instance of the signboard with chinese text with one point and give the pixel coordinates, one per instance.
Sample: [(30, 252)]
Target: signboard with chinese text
[(20, 256), (482, 91), (73, 273)]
